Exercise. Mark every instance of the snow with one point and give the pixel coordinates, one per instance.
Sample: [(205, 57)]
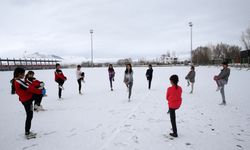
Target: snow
[(104, 120)]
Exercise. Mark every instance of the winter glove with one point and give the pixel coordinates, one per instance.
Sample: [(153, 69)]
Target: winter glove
[(44, 92), (42, 85)]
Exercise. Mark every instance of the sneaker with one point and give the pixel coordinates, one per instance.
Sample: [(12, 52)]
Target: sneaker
[(173, 134), (191, 92), (218, 88), (36, 107), (40, 108), (80, 92), (111, 89), (30, 135), (223, 103)]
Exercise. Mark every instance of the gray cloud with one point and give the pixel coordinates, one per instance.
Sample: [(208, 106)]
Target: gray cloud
[(128, 28)]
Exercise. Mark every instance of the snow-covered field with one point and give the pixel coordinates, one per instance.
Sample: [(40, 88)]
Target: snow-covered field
[(104, 120)]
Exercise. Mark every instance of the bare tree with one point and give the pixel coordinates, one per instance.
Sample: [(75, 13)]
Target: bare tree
[(245, 38)]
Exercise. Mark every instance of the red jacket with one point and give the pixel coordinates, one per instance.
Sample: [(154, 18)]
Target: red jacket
[(33, 82), (24, 91), (173, 97), (59, 75)]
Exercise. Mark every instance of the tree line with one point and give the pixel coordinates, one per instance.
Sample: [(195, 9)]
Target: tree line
[(214, 54)]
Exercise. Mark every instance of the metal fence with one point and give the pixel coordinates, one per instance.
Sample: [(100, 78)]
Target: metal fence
[(28, 64)]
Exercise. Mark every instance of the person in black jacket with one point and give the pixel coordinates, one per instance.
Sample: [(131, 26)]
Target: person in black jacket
[(111, 72), (149, 75)]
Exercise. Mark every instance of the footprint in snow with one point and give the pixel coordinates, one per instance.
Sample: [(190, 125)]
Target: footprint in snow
[(239, 146), (29, 147), (188, 144), (48, 133), (168, 137)]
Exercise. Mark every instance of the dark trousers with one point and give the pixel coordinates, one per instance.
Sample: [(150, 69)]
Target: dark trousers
[(130, 85), (60, 83), (173, 120), (28, 106), (110, 81), (38, 99), (13, 90), (149, 83), (79, 84)]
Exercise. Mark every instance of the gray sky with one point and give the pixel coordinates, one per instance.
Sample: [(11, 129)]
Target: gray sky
[(122, 28)]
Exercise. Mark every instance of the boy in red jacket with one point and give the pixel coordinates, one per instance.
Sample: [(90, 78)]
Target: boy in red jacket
[(60, 79), (174, 99), (25, 94)]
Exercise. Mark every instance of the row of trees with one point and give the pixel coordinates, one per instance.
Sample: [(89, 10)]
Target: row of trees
[(216, 53), (213, 54)]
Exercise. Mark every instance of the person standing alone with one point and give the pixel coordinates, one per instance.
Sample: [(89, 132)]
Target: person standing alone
[(128, 79), (174, 99), (111, 72), (80, 78), (149, 75), (191, 78), (60, 79), (222, 80)]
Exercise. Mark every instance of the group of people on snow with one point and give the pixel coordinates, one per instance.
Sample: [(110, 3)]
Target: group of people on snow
[(29, 89)]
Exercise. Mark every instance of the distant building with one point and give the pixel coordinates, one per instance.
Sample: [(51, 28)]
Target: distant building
[(245, 57)]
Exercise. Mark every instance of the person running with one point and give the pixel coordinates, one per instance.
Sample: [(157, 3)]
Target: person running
[(26, 93), (32, 81), (222, 79), (191, 78), (128, 79), (173, 96), (80, 78), (60, 79), (149, 75), (111, 72)]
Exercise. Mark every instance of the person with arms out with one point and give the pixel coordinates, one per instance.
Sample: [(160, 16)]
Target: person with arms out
[(149, 75), (221, 80), (128, 79), (60, 79), (80, 78), (173, 96), (191, 78), (26, 93), (111, 72)]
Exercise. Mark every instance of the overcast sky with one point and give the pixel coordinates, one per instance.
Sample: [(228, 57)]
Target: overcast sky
[(122, 28)]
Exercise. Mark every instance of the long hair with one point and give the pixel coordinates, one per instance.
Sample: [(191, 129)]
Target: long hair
[(110, 68), (18, 71), (128, 71), (174, 78)]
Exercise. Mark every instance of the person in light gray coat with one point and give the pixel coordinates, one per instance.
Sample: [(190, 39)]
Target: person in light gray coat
[(191, 78), (128, 79), (222, 80)]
